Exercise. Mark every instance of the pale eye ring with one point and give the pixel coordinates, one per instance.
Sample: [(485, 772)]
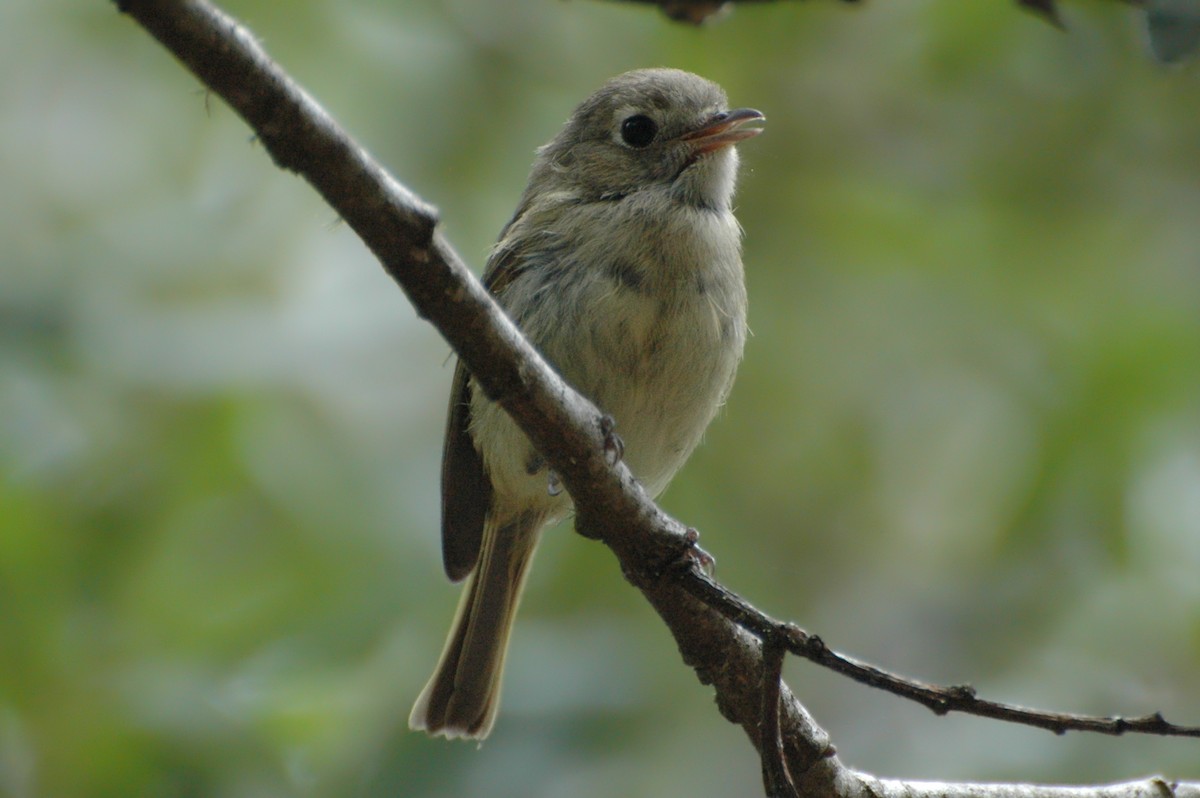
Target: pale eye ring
[(638, 131)]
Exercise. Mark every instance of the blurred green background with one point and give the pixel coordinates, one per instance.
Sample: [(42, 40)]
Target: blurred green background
[(965, 442)]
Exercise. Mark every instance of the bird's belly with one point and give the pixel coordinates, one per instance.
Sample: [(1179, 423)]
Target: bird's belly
[(661, 370)]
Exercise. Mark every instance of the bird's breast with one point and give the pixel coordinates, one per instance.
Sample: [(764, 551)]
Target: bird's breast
[(657, 340)]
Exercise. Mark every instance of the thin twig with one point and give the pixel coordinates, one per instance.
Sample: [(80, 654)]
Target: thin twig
[(775, 775), (940, 699), (698, 12)]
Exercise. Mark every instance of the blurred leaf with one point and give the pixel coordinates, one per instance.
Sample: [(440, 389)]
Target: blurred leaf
[(1173, 27), (1046, 9)]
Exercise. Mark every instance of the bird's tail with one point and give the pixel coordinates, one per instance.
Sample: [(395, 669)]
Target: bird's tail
[(463, 694)]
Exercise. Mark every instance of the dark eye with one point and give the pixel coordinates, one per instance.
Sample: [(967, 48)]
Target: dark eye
[(638, 131)]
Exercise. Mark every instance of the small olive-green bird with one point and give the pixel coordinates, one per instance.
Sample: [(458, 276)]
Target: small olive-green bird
[(622, 265)]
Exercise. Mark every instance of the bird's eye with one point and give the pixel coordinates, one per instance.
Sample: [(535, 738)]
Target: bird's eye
[(638, 131)]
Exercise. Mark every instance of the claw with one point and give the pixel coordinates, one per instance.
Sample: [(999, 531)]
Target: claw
[(614, 447), (698, 556)]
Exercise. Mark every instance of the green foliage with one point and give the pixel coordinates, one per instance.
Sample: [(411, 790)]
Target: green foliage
[(965, 443), (1173, 28)]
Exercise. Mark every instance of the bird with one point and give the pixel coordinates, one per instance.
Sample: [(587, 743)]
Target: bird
[(622, 266)]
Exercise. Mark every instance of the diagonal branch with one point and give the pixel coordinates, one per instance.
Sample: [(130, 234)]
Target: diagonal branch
[(718, 634)]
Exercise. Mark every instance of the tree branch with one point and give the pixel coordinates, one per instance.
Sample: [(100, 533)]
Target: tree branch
[(940, 699), (718, 634), (697, 12)]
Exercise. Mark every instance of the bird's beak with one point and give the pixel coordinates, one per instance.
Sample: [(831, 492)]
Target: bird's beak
[(723, 129)]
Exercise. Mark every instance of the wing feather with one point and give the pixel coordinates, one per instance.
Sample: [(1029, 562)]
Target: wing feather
[(466, 489)]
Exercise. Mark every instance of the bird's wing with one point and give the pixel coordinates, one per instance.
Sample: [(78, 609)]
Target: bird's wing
[(466, 489)]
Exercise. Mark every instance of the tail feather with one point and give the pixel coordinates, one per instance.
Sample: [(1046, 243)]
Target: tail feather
[(462, 696)]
